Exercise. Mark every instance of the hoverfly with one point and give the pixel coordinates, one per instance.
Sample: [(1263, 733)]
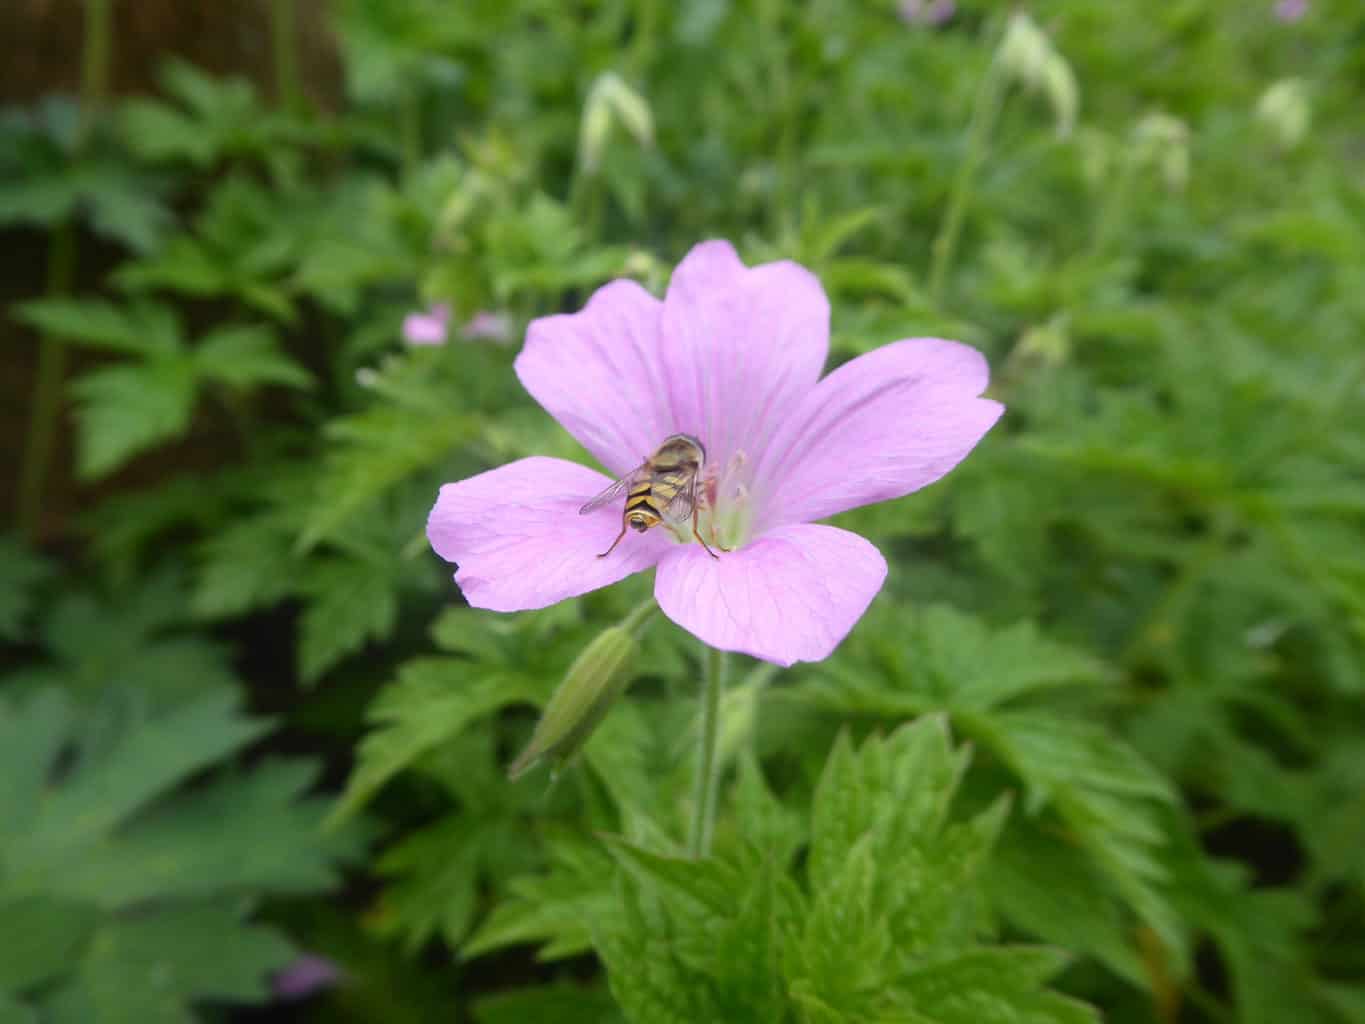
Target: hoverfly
[(665, 488)]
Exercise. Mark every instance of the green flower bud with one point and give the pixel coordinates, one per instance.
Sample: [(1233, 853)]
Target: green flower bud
[(1163, 141), (609, 100), (1285, 113), (597, 677), (1047, 344), (1027, 56)]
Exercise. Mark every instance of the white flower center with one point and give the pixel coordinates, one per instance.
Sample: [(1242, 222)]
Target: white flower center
[(725, 509)]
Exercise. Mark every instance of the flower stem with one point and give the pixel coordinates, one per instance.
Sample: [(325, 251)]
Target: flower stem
[(990, 96), (47, 389), (61, 275), (96, 46), (708, 765), (283, 40)]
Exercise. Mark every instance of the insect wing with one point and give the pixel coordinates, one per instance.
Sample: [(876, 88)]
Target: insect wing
[(680, 506), (613, 492)]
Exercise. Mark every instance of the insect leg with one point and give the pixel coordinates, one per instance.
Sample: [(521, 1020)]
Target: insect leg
[(698, 536), (609, 550)]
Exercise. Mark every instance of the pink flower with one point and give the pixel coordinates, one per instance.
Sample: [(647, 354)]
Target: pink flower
[(732, 356), (1290, 11), (427, 328), (488, 326), (923, 12), (307, 975)]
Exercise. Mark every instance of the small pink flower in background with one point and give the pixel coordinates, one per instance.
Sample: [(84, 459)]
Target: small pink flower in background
[(427, 328), (306, 976), (1290, 11), (486, 326), (732, 355), (926, 12)]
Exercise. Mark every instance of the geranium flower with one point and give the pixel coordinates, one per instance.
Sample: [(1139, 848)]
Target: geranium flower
[(731, 356), (923, 12), (1290, 11), (486, 326), (427, 328)]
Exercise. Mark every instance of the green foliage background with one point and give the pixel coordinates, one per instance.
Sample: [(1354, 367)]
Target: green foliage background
[(1097, 750)]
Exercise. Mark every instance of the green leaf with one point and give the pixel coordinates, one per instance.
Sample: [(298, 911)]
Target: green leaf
[(151, 969), (124, 410), (352, 601), (992, 985), (32, 736), (137, 329), (101, 793), (433, 701), (132, 637), (249, 832), (123, 902), (245, 356), (12, 1012), (41, 938), (556, 909), (892, 902), (21, 573), (563, 1003), (1046, 886)]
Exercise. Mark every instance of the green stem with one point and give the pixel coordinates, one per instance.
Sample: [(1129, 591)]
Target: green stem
[(47, 389), (990, 97), (410, 129), (639, 615), (283, 40), (61, 275), (708, 764), (94, 62), (642, 45), (1114, 210)]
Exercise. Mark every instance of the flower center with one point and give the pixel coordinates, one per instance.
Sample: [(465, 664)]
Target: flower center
[(724, 506)]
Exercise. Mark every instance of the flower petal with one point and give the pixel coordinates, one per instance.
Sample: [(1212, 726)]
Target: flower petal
[(599, 373), (518, 540), (740, 345), (791, 595), (883, 425)]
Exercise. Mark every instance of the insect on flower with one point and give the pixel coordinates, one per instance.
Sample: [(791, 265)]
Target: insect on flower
[(665, 488), (732, 359)]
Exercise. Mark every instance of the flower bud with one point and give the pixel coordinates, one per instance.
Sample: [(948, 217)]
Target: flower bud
[(597, 677), (1163, 141), (1027, 55), (1284, 112), (609, 100), (1047, 344)]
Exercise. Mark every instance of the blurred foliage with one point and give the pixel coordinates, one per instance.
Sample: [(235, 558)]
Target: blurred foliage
[(1141, 601)]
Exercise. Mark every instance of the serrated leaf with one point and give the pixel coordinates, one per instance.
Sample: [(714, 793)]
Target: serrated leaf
[(557, 909), (351, 601), (32, 735), (433, 700), (21, 572), (196, 846), (41, 938), (247, 355), (123, 905), (136, 329), (151, 969), (1047, 887), (1001, 986), (101, 794), (124, 410), (563, 1003)]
